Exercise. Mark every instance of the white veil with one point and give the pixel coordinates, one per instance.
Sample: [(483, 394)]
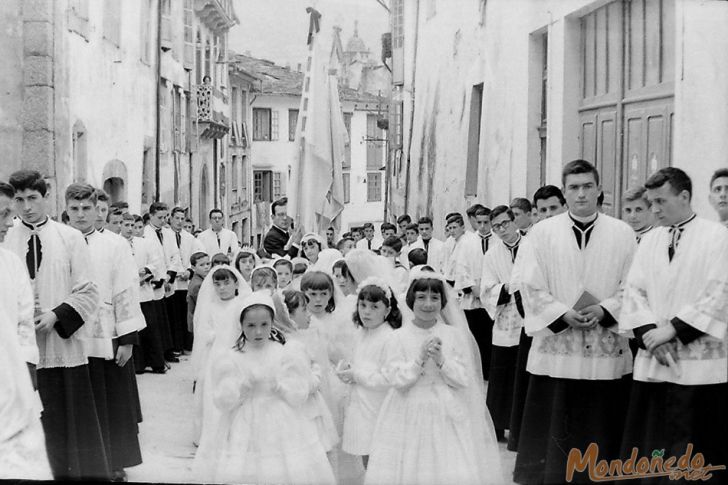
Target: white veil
[(483, 436)]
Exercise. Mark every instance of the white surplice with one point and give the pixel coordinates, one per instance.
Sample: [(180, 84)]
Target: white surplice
[(553, 273), (16, 299), (464, 266), (188, 246), (434, 252), (228, 242), (497, 268), (113, 270), (363, 244), (166, 251), (147, 258), (692, 287), (62, 277)]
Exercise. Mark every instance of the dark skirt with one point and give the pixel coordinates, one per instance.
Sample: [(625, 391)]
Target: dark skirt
[(666, 416), (150, 351), (164, 327), (130, 369), (117, 411), (72, 431), (481, 326), (562, 414), (176, 306), (520, 388), (500, 385)]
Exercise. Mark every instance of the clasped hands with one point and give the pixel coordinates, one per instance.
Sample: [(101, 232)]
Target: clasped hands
[(586, 318), (660, 342), (431, 349)]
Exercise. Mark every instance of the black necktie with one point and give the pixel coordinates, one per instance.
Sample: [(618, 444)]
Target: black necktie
[(582, 231), (159, 235), (34, 255), (426, 243), (178, 236), (369, 244), (218, 241), (514, 251), (484, 243), (676, 231)]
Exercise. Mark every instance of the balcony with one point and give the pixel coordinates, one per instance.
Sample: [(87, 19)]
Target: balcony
[(218, 15), (211, 121)]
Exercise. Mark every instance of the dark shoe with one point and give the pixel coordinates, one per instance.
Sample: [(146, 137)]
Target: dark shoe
[(172, 359), (163, 370), (141, 371)]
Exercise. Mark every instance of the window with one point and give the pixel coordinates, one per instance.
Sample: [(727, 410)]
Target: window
[(347, 148), (189, 60), (397, 9), (292, 120), (176, 119), (234, 175), (261, 124), (262, 186), (476, 111), (374, 187), (374, 145), (347, 187), (396, 124), (274, 125), (112, 21), (277, 187)]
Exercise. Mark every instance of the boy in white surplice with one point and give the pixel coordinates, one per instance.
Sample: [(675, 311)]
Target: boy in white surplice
[(571, 269)]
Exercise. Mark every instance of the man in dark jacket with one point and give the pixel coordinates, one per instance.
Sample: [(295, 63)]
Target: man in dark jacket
[(278, 240)]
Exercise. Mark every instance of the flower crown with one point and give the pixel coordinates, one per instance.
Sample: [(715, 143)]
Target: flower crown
[(378, 282)]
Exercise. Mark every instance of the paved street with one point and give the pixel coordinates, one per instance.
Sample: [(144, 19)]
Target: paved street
[(166, 433)]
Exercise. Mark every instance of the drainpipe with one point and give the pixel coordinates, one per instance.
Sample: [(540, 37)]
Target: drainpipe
[(412, 110), (158, 129)]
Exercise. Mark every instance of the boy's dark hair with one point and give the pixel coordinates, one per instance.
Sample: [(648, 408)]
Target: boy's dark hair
[(119, 204), (318, 280), (115, 212), (579, 166), (28, 180), (636, 193), (521, 203), (411, 227), (482, 211), (425, 284), (373, 293), (424, 220), (341, 242), (502, 209), (387, 226), (80, 191), (678, 179), (215, 211), (417, 256), (299, 269), (196, 257), (177, 209), (101, 195), (404, 218), (158, 206), (720, 173), (473, 209), (125, 216), (456, 218), (283, 262), (393, 242), (7, 190), (367, 225), (546, 192)]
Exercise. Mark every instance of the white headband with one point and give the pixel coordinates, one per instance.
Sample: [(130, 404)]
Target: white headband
[(379, 283)]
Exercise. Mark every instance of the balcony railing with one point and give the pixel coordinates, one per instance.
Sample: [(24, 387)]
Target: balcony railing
[(217, 124)]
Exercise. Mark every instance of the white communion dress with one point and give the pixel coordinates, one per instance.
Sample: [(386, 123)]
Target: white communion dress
[(263, 435), (424, 434)]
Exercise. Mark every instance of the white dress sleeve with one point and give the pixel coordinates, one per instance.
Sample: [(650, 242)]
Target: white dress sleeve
[(230, 385), (294, 379)]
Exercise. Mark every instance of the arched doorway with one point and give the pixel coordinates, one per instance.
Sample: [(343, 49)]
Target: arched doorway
[(115, 177), (203, 198)]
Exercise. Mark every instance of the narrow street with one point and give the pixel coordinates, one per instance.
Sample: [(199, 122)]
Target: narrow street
[(166, 433)]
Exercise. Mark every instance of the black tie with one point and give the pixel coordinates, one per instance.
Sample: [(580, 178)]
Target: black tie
[(369, 244), (484, 243), (34, 255), (514, 252), (218, 241), (676, 231), (582, 231), (159, 235), (178, 236), (426, 243)]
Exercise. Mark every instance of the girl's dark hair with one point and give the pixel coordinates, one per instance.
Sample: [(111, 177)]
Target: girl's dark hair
[(373, 293), (319, 281), (218, 259), (240, 342), (294, 300), (261, 275), (222, 274), (341, 264), (241, 255), (299, 269), (426, 284)]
